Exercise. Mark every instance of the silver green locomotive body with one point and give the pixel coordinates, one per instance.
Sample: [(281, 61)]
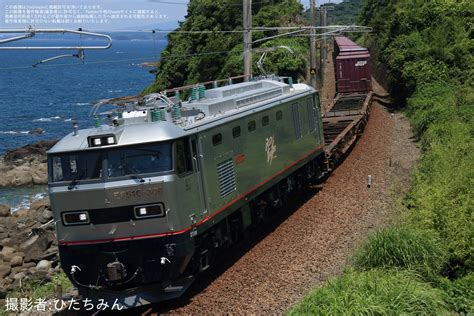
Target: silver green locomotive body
[(146, 202)]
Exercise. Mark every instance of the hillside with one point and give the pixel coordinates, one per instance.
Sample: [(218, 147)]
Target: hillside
[(344, 13), (424, 263), (191, 58)]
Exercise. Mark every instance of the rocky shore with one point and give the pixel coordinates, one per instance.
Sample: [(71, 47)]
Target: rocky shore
[(28, 246), (26, 165)]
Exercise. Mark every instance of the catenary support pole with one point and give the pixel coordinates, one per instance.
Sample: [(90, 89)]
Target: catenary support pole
[(312, 46), (247, 19)]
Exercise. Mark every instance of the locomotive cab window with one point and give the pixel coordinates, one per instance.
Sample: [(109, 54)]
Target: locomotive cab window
[(265, 120), (119, 162), (75, 166), (252, 126), (279, 115), (183, 156), (142, 159), (236, 131), (217, 139)]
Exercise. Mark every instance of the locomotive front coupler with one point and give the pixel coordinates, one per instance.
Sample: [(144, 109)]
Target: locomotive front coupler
[(116, 271)]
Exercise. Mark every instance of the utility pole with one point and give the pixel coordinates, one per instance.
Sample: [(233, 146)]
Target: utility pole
[(322, 44), (324, 47), (247, 19), (312, 46)]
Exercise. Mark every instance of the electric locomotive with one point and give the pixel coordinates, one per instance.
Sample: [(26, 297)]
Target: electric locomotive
[(146, 199)]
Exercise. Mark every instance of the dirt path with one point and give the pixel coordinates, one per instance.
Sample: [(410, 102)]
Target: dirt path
[(271, 272)]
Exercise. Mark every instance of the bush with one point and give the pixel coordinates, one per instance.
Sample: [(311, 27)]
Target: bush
[(441, 198), (405, 248), (459, 294), (372, 292)]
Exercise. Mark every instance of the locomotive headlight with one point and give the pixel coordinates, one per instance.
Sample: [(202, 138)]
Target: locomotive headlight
[(146, 211), (142, 211), (102, 140), (75, 218), (110, 140)]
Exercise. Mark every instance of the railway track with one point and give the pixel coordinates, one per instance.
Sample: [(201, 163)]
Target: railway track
[(344, 120), (343, 124), (311, 239)]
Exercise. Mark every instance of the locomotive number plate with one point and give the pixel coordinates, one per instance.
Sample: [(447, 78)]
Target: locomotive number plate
[(133, 194)]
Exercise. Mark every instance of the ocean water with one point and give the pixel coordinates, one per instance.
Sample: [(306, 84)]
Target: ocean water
[(51, 95), (21, 198)]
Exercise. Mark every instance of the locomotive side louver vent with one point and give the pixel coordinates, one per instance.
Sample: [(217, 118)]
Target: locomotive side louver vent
[(226, 177), (296, 120), (312, 115)]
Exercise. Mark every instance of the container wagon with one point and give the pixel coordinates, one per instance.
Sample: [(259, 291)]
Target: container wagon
[(352, 67)]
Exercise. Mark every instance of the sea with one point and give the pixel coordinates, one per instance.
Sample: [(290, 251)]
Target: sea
[(52, 95)]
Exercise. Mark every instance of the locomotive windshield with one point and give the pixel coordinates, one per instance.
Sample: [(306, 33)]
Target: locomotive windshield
[(119, 162), (138, 160)]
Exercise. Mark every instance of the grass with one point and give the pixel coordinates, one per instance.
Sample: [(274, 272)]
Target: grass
[(459, 294), (373, 292), (403, 247), (42, 289)]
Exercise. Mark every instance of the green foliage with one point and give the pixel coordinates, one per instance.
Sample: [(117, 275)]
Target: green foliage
[(373, 292), (403, 247), (422, 41), (442, 195), (42, 289), (191, 58), (428, 48), (344, 13), (459, 294), (283, 62), (39, 290)]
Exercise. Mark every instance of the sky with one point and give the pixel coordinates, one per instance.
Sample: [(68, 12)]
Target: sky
[(97, 14)]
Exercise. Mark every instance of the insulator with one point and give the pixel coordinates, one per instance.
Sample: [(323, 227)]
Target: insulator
[(157, 115), (202, 92), (194, 94), (97, 121), (176, 112)]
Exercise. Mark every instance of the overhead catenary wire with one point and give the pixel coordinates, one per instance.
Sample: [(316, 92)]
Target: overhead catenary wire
[(297, 30), (258, 28), (121, 60)]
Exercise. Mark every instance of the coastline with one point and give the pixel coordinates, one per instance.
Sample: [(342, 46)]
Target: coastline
[(26, 165), (28, 246)]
